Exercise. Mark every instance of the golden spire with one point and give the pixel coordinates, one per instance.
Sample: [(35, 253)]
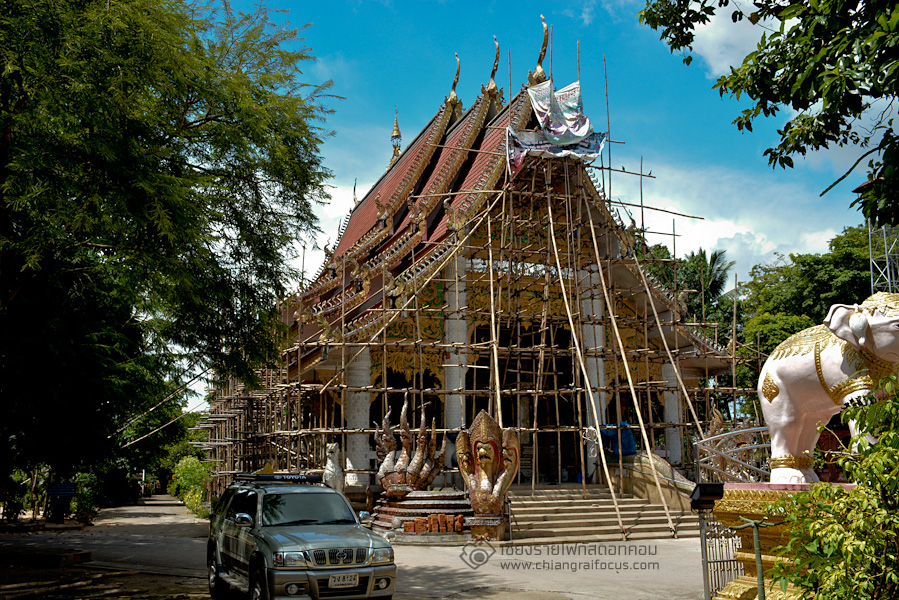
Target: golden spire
[(396, 138)]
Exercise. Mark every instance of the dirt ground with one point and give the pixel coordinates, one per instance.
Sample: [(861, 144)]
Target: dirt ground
[(68, 583)]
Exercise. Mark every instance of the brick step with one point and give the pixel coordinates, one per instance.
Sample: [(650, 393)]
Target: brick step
[(580, 517), (574, 516), (562, 494), (410, 512), (573, 507), (429, 507)]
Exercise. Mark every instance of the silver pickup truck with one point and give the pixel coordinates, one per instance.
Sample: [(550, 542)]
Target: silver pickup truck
[(286, 537)]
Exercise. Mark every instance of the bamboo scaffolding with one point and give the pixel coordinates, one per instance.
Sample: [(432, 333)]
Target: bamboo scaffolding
[(611, 309)]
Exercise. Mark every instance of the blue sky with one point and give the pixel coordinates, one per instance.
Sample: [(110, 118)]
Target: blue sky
[(386, 55)]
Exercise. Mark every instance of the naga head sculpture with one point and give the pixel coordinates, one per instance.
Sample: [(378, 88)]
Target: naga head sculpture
[(488, 458)]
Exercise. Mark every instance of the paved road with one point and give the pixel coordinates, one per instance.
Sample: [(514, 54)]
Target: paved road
[(160, 536), (646, 570), (157, 535)]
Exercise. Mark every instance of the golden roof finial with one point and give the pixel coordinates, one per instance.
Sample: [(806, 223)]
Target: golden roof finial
[(539, 75), (491, 87), (452, 101), (396, 137)]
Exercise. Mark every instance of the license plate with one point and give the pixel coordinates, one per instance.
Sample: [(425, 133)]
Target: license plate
[(348, 580)]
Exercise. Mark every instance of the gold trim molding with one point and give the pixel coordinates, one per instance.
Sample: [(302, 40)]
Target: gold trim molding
[(790, 462)]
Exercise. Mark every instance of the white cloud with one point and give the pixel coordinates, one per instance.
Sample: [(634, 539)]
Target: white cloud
[(818, 239), (330, 217), (749, 216), (722, 43), (587, 12)]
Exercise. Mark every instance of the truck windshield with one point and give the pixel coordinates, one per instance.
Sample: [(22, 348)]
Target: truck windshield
[(305, 509)]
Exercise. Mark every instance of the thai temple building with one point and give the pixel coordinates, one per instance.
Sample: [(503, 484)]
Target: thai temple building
[(488, 270)]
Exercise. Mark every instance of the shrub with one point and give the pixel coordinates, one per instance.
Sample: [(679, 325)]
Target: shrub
[(189, 480), (88, 496)]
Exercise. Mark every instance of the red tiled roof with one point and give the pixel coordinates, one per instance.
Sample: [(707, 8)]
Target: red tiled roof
[(489, 161), (395, 185), (451, 156)]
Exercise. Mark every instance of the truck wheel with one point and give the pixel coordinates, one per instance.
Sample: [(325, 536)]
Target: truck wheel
[(218, 589), (258, 584)]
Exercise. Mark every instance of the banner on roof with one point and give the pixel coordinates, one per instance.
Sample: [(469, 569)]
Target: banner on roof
[(521, 143), (561, 113)]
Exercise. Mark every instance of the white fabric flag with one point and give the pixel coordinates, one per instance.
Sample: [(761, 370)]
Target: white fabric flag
[(561, 113)]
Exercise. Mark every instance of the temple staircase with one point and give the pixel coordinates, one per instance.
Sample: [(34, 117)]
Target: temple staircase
[(560, 514)]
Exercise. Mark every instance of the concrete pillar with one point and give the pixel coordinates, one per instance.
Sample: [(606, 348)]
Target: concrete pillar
[(358, 374), (592, 307), (455, 331), (673, 414)]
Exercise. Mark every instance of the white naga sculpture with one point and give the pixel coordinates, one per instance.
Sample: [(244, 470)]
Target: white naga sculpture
[(813, 374)]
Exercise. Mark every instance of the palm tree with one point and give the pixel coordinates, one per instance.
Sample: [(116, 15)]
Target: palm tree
[(707, 275)]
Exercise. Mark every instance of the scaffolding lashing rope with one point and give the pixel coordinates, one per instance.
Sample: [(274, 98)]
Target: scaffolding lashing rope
[(610, 309), (577, 346)]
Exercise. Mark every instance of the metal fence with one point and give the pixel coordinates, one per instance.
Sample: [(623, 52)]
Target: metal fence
[(719, 543), (740, 455)]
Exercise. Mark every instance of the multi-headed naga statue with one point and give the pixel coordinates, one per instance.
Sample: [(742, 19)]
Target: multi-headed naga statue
[(403, 470)]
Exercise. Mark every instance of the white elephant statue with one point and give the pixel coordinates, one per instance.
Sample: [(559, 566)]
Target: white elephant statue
[(813, 374)]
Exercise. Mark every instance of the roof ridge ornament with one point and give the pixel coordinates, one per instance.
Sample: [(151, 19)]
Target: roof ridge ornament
[(492, 91), (491, 87), (539, 75), (452, 101), (396, 136)]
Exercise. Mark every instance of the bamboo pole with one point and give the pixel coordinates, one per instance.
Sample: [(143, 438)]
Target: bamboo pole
[(493, 327), (552, 237), (611, 311)]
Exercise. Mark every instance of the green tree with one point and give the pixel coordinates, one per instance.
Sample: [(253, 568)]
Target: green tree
[(180, 447), (795, 292), (808, 284), (707, 275), (768, 330), (656, 261), (827, 61), (157, 162), (73, 362)]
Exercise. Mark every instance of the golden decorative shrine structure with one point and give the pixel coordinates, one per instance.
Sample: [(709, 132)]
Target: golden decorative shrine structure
[(458, 287)]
